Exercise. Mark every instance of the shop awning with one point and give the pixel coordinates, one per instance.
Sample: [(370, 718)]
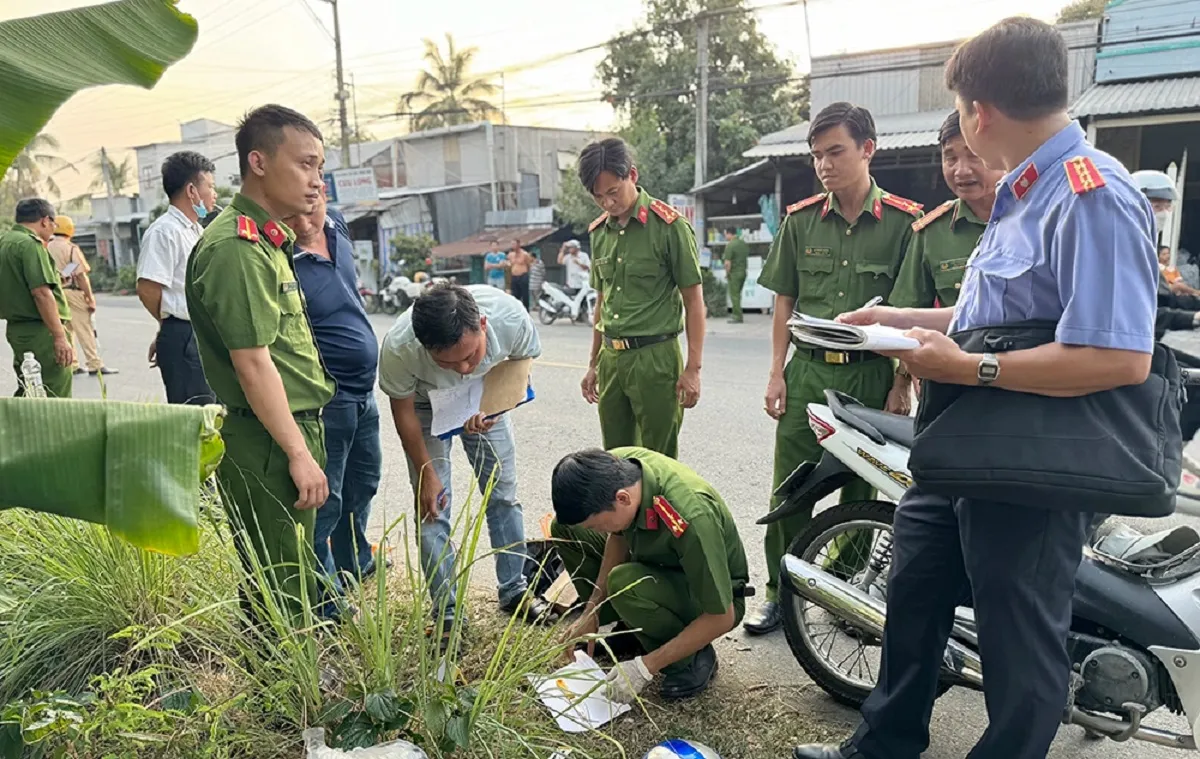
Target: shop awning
[(896, 132), (1133, 98), (481, 242)]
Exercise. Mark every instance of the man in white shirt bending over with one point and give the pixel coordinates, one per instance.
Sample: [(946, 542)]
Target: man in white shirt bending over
[(188, 181)]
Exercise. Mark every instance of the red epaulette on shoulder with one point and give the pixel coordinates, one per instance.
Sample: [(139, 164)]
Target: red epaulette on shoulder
[(664, 211), (1083, 175), (597, 222), (794, 207), (911, 207), (929, 218), (247, 229), (675, 523)]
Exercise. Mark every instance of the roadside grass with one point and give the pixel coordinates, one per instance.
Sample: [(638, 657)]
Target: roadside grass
[(109, 651)]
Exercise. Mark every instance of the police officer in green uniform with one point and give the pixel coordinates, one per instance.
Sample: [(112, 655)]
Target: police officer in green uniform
[(651, 545), (737, 255), (32, 301), (944, 238), (258, 351), (646, 273), (835, 251)]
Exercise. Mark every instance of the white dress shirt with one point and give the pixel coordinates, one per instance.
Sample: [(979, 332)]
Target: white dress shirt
[(165, 249)]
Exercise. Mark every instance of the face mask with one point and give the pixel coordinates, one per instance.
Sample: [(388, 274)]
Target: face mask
[(1160, 220)]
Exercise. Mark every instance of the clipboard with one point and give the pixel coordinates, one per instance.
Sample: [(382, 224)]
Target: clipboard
[(505, 387)]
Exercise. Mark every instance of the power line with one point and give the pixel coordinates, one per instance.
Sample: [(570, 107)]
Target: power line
[(315, 19)]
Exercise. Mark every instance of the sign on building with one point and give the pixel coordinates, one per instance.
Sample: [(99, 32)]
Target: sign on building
[(685, 205), (355, 186)]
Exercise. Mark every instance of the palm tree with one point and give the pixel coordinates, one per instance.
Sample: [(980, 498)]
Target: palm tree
[(34, 168), (445, 94), (121, 175)]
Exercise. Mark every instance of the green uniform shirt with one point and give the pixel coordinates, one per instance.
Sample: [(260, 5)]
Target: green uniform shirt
[(831, 266), (640, 269), (242, 292), (937, 256), (25, 264), (703, 541), (737, 253)]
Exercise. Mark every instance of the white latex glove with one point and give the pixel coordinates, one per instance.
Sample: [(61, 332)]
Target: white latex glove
[(627, 679)]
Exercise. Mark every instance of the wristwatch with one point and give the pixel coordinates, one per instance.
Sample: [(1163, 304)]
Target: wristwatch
[(989, 369)]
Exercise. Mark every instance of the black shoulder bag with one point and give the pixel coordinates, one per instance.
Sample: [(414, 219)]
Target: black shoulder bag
[(1115, 452)]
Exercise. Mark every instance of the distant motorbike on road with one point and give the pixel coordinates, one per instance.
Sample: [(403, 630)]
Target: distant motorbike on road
[(398, 293), (555, 303), (1135, 632)]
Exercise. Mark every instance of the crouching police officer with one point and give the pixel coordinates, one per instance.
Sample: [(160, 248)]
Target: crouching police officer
[(651, 545), (258, 351), (1068, 232)]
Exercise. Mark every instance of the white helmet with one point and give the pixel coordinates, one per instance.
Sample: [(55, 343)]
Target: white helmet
[(1155, 184)]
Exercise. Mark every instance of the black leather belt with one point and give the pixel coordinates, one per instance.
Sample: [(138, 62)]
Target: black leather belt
[(746, 591), (631, 343), (836, 357), (310, 414)]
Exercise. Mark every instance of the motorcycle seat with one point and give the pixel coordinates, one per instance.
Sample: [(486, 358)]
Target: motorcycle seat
[(893, 427)]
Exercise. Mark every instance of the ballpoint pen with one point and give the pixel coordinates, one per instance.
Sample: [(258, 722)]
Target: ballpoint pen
[(874, 301)]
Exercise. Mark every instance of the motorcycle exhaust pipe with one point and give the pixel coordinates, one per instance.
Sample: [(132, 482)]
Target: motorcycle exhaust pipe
[(1120, 731), (849, 603)]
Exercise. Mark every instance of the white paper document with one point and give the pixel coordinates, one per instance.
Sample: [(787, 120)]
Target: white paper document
[(453, 406), (825, 333), (577, 697)]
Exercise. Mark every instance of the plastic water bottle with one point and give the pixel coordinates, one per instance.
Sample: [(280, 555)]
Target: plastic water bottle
[(31, 377)]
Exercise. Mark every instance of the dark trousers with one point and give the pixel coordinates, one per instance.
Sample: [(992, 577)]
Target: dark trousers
[(355, 460), (1019, 565), (179, 363), (520, 288)]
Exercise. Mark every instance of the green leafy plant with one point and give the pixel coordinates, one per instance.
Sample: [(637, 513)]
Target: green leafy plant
[(127, 278), (410, 252), (715, 294)]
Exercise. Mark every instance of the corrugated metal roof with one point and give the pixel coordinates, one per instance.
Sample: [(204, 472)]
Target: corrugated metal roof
[(898, 132), (1128, 98), (731, 177), (480, 242)]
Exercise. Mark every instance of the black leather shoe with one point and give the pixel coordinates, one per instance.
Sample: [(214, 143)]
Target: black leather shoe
[(766, 618), (826, 751), (533, 609), (624, 645), (694, 680)]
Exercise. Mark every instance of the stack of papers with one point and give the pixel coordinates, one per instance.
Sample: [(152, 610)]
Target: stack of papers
[(503, 388), (577, 697), (831, 335)]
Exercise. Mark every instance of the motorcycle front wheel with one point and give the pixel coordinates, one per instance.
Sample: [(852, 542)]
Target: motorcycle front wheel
[(546, 315), (371, 304), (391, 308)]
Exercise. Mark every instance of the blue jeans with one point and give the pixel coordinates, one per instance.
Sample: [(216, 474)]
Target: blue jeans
[(493, 451), (355, 460)]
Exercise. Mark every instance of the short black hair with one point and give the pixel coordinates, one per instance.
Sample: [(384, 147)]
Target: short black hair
[(1018, 65), (586, 483), (951, 128), (262, 130), (612, 155), (443, 314), (33, 210), (858, 121), (183, 168)]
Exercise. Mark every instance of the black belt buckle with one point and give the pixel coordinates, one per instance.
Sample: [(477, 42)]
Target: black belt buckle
[(746, 591)]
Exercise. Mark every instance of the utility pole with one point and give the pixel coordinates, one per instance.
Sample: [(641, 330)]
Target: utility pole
[(702, 98), (341, 85), (112, 214)]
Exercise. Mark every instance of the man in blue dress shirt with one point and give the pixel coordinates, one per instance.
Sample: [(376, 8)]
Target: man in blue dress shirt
[(1068, 229), (324, 261)]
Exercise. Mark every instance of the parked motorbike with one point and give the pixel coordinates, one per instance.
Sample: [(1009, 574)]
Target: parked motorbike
[(555, 304), (1135, 632), (370, 298), (398, 293)]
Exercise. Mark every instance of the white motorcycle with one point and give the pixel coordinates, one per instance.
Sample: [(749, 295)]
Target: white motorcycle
[(1135, 633), (555, 304), (398, 293)]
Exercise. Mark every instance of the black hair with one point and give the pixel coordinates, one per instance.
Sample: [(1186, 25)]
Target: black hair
[(33, 210), (612, 155), (443, 314), (857, 120), (262, 130), (1018, 65), (951, 128), (183, 168), (586, 483)]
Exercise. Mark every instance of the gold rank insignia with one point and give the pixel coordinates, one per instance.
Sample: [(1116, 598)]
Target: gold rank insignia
[(675, 523), (664, 211), (794, 207), (247, 229), (1083, 175), (929, 218), (597, 222), (904, 204)]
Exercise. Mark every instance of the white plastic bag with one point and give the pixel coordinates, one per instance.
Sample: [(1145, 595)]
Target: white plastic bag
[(314, 744)]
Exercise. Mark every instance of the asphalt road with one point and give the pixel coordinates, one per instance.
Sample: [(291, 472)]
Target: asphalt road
[(727, 439)]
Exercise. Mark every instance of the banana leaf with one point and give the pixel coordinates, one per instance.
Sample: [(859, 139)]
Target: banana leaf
[(46, 59), (136, 468)]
